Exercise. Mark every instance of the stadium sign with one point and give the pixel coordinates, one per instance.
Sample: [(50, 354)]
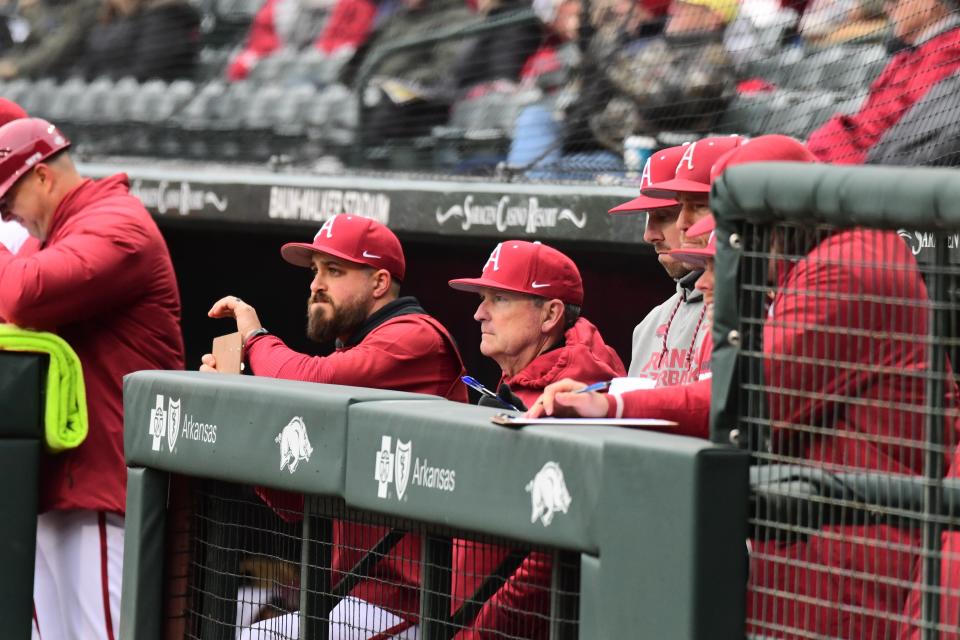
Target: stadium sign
[(393, 466), (435, 208), (165, 423)]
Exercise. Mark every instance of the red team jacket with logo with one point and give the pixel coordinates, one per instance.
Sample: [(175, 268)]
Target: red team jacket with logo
[(846, 139), (407, 352), (103, 281), (866, 314), (521, 605)]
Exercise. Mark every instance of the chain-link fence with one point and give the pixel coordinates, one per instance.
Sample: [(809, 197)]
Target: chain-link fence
[(363, 575), (846, 397)]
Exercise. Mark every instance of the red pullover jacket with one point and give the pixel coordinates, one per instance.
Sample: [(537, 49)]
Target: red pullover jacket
[(402, 348), (103, 281), (846, 139), (521, 606), (854, 300)]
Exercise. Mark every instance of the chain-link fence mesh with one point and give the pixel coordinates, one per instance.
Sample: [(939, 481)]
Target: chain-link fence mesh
[(849, 403), (245, 563), (519, 89)]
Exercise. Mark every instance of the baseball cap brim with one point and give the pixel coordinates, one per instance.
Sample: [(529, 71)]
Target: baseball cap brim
[(670, 188), (301, 254), (643, 204), (696, 256), (474, 284)]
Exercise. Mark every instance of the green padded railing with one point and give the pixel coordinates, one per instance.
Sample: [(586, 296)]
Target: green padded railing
[(658, 520)]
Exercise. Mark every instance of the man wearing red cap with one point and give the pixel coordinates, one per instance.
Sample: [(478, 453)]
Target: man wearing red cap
[(846, 581), (12, 235), (530, 324), (98, 275), (667, 342), (383, 341)]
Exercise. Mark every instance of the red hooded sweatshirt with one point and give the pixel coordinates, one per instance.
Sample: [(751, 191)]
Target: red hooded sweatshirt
[(103, 281), (399, 347), (521, 606)]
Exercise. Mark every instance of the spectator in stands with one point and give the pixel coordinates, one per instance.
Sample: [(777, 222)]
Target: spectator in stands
[(333, 28), (666, 343), (12, 234), (931, 29), (143, 39), (412, 90), (847, 581), (828, 23), (679, 80), (100, 276), (529, 314), (492, 62), (56, 31), (383, 340)]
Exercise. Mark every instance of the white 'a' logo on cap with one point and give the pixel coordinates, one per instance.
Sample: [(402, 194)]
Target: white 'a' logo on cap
[(688, 157), (494, 258), (328, 227), (645, 179)]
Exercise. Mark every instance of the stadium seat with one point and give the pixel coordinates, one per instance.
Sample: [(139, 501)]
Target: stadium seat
[(62, 106), (854, 70), (796, 115), (749, 114), (271, 69)]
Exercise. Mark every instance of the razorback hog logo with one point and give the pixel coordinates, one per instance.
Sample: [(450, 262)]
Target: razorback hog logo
[(294, 445), (548, 494)]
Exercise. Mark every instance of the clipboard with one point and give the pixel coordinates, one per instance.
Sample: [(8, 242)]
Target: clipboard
[(228, 352), (516, 421)]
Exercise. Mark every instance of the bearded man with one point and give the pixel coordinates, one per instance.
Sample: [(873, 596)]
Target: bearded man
[(383, 341)]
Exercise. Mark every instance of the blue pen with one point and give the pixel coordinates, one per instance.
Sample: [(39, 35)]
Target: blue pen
[(596, 386), (474, 384)]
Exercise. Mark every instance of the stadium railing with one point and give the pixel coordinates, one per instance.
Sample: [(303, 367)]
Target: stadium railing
[(22, 393), (841, 387), (649, 540)]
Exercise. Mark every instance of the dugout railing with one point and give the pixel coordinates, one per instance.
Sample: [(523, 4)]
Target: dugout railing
[(835, 353), (649, 541), (22, 401)]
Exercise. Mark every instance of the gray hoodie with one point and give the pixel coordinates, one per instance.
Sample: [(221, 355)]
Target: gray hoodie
[(666, 344)]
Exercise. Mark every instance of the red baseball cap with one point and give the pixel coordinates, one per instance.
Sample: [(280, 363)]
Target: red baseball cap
[(693, 169), (769, 148), (660, 166), (698, 256), (528, 267), (10, 110), (354, 239)]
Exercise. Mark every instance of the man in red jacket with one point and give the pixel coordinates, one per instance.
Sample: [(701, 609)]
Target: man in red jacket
[(931, 29), (98, 275), (844, 347), (530, 323), (383, 341)]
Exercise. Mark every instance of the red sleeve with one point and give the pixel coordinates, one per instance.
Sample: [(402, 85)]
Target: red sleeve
[(261, 41), (845, 139), (82, 275), (406, 354), (349, 25), (520, 607), (687, 404), (805, 330)]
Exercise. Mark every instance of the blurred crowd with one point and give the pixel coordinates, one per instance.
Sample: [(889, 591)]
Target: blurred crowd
[(562, 84)]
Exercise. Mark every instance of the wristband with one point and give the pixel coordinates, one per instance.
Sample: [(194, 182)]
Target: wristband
[(253, 334)]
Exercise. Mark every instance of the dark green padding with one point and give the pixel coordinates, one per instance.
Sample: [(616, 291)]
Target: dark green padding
[(229, 427), (881, 197), (22, 391), (660, 519), (141, 604), (19, 460)]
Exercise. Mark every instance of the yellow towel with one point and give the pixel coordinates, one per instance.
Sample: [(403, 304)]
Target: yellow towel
[(65, 415)]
